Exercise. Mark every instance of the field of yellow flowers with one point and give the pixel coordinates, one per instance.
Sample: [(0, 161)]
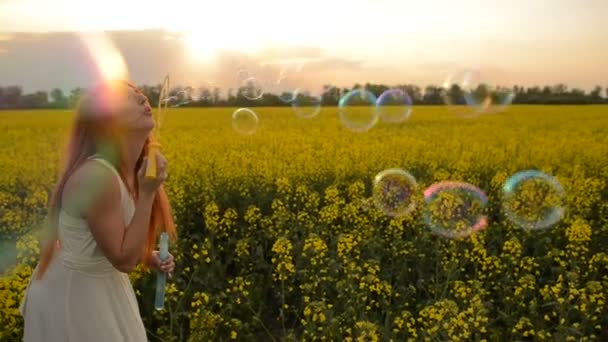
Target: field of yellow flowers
[(277, 244)]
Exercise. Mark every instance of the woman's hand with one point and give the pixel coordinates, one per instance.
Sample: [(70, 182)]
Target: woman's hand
[(149, 186), (167, 266)]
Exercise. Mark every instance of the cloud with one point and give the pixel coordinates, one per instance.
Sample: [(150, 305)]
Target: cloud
[(43, 61), (291, 53), (334, 63), (437, 66), (304, 67)]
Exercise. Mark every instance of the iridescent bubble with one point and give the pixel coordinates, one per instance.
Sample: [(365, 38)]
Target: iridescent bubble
[(533, 199), (306, 104), (358, 110), (455, 209), (393, 192), (468, 95), (286, 89), (180, 97), (394, 105), (245, 121), (289, 81), (251, 89)]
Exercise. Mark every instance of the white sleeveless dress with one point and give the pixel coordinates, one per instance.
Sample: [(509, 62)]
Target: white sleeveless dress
[(82, 297)]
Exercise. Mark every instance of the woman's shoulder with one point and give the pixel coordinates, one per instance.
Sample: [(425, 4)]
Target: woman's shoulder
[(89, 183)]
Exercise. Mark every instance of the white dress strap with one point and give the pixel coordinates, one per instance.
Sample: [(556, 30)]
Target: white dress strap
[(105, 163), (123, 188), (125, 194)]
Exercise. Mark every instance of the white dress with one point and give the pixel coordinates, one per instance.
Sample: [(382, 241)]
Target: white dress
[(82, 297)]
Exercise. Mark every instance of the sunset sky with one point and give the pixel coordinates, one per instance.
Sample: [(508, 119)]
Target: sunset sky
[(342, 42)]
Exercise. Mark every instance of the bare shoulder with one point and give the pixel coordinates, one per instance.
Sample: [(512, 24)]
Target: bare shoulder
[(89, 185)]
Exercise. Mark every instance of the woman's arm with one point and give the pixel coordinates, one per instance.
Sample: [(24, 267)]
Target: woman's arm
[(93, 193), (121, 244)]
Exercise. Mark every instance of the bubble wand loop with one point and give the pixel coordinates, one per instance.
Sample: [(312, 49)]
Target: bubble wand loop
[(154, 147)]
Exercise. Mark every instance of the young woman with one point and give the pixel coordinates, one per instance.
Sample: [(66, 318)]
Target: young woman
[(104, 218)]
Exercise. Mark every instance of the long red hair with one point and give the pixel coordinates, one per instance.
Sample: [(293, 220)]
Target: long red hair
[(96, 128)]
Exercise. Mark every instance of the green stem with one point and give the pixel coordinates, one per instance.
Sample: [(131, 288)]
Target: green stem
[(255, 316), (283, 308)]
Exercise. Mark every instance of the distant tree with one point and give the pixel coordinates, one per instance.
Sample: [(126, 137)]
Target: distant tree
[(455, 95), (58, 100), (331, 95), (205, 97), (231, 99), (75, 95), (413, 91), (520, 94), (216, 96), (376, 89), (577, 96), (559, 89), (12, 96), (152, 93), (535, 94), (596, 94), (432, 95), (36, 100), (3, 104)]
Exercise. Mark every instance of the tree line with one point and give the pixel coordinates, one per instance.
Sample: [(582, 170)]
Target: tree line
[(13, 97)]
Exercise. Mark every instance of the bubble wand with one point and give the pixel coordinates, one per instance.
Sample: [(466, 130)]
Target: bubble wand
[(152, 173), (154, 147), (161, 277)]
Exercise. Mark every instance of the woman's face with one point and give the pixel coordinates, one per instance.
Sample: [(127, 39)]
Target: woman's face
[(136, 113)]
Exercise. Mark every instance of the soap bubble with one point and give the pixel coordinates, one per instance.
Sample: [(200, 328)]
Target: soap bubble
[(245, 121), (468, 95), (288, 82), (533, 199), (251, 89), (394, 105), (455, 209), (180, 97), (358, 110), (393, 192), (306, 104)]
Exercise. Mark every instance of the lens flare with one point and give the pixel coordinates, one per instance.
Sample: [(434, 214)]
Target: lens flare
[(107, 61), (107, 68)]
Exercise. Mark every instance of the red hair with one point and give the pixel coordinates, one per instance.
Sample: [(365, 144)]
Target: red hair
[(94, 128)]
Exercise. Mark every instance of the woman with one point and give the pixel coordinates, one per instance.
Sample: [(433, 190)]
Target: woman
[(105, 216)]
